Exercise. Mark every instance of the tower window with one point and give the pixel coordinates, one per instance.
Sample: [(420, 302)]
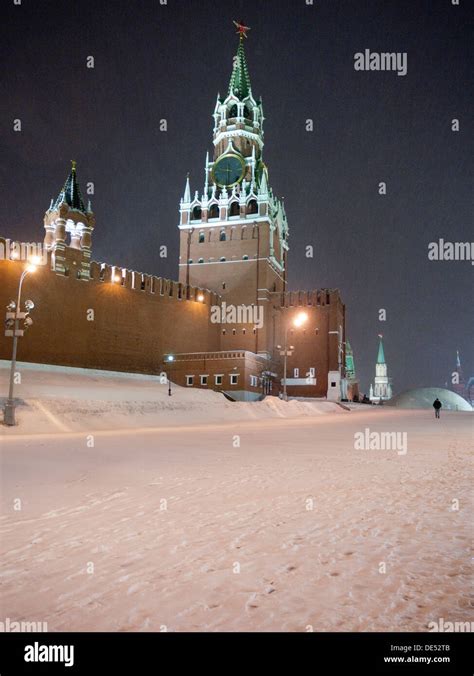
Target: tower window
[(196, 215), (246, 113), (222, 236), (296, 373), (202, 237), (190, 260), (222, 259), (223, 285), (234, 209), (234, 111), (234, 378), (252, 207), (245, 258), (214, 211), (201, 260)]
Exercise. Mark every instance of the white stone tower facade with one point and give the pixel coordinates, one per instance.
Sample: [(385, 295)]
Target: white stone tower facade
[(381, 390)]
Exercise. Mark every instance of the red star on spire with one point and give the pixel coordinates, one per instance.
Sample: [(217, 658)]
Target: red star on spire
[(241, 29)]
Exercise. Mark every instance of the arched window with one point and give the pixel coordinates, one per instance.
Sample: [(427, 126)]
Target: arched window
[(214, 211), (202, 237), (190, 260), (246, 113), (245, 258), (201, 260), (234, 209), (252, 207), (222, 236), (222, 259), (196, 215), (233, 112)]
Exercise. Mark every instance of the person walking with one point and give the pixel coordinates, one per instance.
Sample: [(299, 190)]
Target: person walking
[(437, 406)]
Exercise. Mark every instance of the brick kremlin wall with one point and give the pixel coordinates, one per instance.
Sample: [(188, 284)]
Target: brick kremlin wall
[(135, 320)]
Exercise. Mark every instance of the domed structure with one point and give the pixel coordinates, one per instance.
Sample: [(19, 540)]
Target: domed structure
[(423, 397)]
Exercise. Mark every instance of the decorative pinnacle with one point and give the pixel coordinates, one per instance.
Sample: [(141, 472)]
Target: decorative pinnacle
[(241, 29), (73, 165)]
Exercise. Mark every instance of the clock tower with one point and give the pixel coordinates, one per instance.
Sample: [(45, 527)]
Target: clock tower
[(234, 231)]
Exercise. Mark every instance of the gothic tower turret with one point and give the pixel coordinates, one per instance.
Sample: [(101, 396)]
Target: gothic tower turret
[(234, 233), (68, 215), (382, 388)]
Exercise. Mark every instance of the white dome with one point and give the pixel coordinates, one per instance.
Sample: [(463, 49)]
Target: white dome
[(423, 397)]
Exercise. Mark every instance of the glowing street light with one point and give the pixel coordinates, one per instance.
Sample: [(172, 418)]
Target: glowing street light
[(12, 330), (200, 298), (298, 321), (170, 360)]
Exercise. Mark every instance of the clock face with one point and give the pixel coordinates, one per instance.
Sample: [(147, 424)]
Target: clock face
[(228, 170)]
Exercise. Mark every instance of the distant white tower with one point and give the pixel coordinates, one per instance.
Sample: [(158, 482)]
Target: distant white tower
[(382, 388)]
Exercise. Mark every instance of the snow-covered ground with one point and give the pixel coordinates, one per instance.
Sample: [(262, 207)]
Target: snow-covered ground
[(220, 516), (55, 398)]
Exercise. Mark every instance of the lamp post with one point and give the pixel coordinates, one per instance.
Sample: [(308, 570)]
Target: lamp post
[(298, 321), (170, 360), (9, 411)]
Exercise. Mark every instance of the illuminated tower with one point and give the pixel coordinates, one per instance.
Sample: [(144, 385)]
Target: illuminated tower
[(382, 388), (68, 215), (458, 383), (234, 231)]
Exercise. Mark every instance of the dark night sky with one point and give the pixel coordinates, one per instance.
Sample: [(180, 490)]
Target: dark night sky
[(154, 62)]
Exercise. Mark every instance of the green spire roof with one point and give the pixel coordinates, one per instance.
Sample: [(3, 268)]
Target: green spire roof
[(70, 194), (381, 355), (240, 80), (350, 366)]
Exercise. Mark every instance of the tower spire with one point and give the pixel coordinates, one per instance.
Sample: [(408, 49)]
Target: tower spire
[(381, 354), (187, 190), (240, 80), (70, 193)]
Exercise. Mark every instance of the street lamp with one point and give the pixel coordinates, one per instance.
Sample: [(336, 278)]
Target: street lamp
[(298, 321), (170, 360), (14, 315)]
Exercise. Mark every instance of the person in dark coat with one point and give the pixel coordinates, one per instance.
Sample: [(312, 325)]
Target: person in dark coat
[(437, 406)]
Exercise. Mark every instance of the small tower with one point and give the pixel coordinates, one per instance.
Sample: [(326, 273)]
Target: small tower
[(458, 383), (382, 388), (351, 383), (68, 215)]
